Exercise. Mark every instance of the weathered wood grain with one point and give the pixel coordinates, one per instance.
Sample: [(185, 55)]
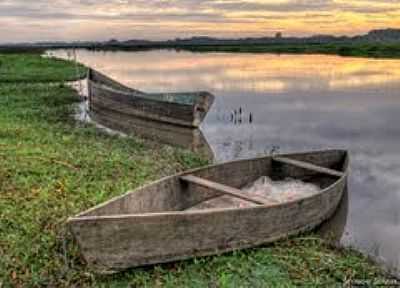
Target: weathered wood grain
[(185, 109), (308, 166), (139, 107), (97, 77), (150, 225), (222, 189)]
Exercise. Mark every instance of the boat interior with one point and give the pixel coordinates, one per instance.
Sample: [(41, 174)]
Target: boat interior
[(182, 192)]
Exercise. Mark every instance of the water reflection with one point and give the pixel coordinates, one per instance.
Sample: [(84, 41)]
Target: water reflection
[(244, 72), (296, 102), (236, 116), (191, 139)]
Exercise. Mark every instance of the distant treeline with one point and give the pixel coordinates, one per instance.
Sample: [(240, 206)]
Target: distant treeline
[(377, 43), (376, 50)]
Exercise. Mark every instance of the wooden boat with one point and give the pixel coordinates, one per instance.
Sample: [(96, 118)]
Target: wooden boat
[(155, 223), (110, 98)]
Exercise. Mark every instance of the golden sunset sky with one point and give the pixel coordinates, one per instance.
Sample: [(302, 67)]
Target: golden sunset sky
[(37, 20)]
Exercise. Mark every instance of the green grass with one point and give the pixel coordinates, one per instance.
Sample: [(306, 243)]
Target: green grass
[(31, 68), (302, 261), (52, 167)]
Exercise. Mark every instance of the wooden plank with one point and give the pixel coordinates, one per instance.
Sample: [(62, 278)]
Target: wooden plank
[(308, 166), (214, 186)]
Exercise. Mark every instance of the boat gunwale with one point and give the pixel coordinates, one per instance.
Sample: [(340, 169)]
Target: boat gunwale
[(114, 83), (141, 115), (142, 95), (81, 218)]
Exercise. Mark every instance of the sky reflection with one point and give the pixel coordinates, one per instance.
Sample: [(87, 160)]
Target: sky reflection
[(251, 72)]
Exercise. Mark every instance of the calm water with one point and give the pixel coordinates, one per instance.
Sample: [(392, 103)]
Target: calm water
[(294, 102)]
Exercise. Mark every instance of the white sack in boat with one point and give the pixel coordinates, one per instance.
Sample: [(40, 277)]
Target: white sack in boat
[(273, 191), (281, 191)]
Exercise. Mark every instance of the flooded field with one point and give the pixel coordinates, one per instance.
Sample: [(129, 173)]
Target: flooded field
[(293, 103)]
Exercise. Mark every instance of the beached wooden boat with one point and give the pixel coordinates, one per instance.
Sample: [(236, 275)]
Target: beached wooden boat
[(156, 223), (108, 97)]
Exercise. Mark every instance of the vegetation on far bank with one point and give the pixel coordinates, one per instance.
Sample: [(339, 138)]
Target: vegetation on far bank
[(354, 50), (52, 167), (348, 49)]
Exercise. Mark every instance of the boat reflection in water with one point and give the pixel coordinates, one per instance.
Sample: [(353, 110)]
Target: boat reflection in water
[(184, 137)]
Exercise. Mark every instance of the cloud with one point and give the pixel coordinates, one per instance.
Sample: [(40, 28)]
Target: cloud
[(70, 19), (274, 6)]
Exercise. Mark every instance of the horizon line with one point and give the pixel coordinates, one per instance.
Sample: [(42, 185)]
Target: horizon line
[(274, 36)]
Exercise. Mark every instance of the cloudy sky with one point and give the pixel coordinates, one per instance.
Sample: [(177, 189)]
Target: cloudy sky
[(37, 20)]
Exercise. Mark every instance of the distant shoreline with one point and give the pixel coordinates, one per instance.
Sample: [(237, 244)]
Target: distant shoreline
[(371, 50), (384, 43), (389, 51)]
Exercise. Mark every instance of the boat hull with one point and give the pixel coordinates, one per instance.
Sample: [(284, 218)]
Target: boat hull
[(109, 97), (112, 242)]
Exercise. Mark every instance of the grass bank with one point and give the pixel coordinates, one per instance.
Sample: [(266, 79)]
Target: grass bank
[(52, 167), (31, 68)]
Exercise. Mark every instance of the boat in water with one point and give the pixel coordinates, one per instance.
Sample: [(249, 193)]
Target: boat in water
[(117, 102), (211, 210)]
